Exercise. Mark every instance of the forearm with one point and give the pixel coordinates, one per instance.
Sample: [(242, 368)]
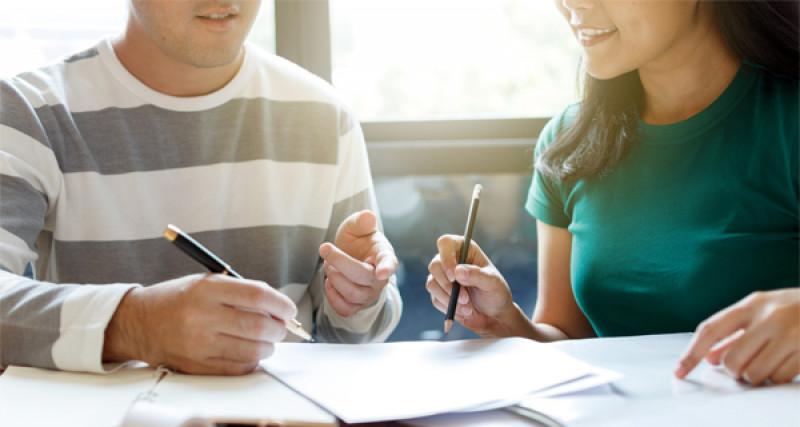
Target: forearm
[(54, 326)]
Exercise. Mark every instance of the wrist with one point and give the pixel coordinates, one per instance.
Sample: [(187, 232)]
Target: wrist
[(511, 322), (121, 340)]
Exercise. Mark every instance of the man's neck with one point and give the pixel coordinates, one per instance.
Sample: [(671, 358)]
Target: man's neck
[(156, 69)]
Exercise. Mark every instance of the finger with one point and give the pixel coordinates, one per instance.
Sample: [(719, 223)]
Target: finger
[(337, 301), (439, 297), (714, 357), (449, 247), (248, 325), (355, 270), (764, 363), (476, 277), (439, 305), (252, 295), (788, 370), (709, 333), (234, 349), (436, 269), (351, 292), (385, 263), (744, 350), (214, 366)]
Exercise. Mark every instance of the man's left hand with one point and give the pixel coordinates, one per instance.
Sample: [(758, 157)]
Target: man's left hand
[(358, 265)]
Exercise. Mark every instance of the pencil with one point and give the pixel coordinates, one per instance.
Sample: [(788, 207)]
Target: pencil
[(473, 212), (214, 264)]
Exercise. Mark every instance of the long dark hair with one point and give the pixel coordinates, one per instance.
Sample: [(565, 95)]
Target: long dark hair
[(760, 31)]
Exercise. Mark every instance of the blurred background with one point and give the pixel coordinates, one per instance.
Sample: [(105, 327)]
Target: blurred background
[(450, 93)]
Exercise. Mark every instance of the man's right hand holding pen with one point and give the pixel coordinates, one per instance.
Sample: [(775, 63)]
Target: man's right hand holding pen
[(191, 324)]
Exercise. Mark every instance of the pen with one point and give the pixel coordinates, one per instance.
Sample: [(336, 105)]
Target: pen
[(473, 212), (213, 263)]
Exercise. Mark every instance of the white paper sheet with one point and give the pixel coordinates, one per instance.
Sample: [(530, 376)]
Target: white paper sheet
[(401, 380), (40, 397)]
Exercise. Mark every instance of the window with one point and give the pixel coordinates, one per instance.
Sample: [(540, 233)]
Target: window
[(444, 59)]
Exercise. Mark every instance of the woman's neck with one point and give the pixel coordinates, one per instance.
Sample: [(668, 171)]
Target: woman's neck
[(689, 81)]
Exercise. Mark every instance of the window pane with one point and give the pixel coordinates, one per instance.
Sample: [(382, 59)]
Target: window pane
[(34, 32), (423, 59)]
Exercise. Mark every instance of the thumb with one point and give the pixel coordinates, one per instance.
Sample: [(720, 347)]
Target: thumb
[(361, 223)]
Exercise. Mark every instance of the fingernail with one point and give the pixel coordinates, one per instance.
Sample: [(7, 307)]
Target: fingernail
[(450, 275), (324, 251), (462, 273), (681, 371)]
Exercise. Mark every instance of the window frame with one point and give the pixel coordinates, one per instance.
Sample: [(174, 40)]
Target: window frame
[(418, 147)]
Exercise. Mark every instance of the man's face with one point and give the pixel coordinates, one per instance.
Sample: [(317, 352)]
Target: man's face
[(200, 33)]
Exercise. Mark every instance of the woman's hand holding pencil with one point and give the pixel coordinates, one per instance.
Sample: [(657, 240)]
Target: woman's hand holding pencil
[(484, 302)]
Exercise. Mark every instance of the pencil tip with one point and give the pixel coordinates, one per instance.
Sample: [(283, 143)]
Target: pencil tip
[(447, 325)]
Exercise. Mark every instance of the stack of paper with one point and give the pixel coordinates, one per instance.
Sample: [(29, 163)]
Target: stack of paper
[(396, 381)]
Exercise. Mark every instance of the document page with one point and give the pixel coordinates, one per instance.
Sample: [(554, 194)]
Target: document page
[(401, 380)]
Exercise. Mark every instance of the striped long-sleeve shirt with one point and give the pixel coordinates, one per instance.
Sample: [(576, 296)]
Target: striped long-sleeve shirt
[(94, 165)]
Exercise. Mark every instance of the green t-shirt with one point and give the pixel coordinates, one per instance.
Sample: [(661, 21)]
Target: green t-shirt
[(698, 215)]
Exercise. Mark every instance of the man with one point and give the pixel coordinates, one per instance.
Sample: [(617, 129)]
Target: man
[(178, 121)]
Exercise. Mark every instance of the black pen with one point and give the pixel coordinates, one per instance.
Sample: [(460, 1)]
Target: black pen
[(473, 212), (214, 264)]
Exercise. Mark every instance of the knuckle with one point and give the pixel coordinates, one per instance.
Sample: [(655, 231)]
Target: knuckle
[(706, 328), (435, 263), (733, 365), (754, 375), (355, 296), (754, 298)]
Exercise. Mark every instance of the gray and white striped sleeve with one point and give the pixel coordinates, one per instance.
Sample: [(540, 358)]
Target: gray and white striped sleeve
[(41, 324), (355, 193)]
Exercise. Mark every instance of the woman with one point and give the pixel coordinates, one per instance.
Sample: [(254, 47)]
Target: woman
[(668, 197)]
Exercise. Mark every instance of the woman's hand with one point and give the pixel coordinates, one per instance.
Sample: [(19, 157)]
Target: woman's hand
[(763, 338), (485, 304)]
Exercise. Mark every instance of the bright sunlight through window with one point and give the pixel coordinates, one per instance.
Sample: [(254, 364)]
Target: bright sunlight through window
[(424, 59)]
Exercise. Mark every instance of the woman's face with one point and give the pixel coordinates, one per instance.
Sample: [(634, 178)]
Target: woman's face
[(618, 36)]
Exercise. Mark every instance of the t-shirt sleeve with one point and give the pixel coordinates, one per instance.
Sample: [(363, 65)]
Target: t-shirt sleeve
[(42, 324), (546, 200)]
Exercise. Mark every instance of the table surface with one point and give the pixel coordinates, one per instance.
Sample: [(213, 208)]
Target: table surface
[(647, 394)]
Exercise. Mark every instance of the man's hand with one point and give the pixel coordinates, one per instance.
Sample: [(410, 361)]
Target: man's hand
[(358, 265), (201, 324), (756, 339)]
